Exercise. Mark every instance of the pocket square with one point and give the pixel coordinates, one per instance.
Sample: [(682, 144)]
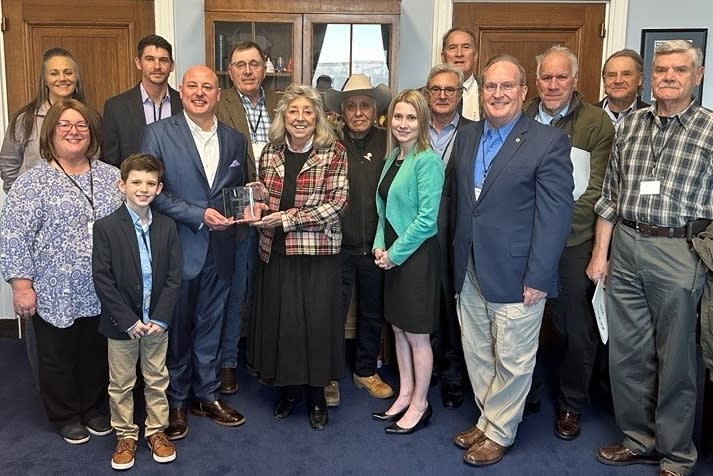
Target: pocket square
[(234, 163)]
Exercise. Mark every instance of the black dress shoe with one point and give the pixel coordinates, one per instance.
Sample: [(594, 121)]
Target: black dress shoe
[(219, 412), (284, 407), (395, 429), (383, 416), (318, 417), (177, 424), (568, 425), (451, 395)]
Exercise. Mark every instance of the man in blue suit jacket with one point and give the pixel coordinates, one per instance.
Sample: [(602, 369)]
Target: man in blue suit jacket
[(513, 188), (201, 157)]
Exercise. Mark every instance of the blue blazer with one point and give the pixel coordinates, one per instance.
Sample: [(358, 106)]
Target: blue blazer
[(186, 193), (517, 229), (412, 203)]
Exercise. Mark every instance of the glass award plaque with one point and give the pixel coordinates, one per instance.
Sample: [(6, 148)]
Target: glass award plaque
[(239, 203)]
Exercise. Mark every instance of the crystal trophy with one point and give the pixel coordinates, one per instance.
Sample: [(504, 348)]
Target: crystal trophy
[(240, 204)]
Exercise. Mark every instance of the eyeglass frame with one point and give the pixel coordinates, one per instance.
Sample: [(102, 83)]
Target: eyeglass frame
[(243, 65), (506, 87), (449, 91), (66, 126)]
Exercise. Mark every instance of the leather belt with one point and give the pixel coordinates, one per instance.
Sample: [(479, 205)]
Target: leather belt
[(652, 230)]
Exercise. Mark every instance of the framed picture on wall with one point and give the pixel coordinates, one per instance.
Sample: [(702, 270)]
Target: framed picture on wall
[(650, 38)]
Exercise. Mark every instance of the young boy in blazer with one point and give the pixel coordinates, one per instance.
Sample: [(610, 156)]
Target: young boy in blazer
[(137, 266)]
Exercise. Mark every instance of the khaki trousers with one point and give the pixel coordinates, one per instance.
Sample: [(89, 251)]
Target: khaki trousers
[(123, 356), (499, 344)]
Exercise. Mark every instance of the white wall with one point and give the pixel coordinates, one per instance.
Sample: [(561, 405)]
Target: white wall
[(664, 14), (189, 45), (415, 43)]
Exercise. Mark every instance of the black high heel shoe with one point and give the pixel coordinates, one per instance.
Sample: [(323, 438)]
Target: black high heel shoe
[(383, 416), (395, 429)]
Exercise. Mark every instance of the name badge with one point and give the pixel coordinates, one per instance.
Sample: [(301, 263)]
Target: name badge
[(650, 187), (477, 191), (257, 152)]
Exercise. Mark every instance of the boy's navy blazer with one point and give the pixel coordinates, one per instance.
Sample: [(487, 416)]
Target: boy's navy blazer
[(116, 267)]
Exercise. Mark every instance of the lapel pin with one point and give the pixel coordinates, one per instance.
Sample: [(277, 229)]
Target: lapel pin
[(517, 139), (368, 156)]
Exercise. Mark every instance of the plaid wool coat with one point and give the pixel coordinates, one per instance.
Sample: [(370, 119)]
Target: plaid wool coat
[(313, 226)]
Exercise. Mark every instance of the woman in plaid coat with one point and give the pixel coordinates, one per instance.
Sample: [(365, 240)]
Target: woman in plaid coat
[(297, 338)]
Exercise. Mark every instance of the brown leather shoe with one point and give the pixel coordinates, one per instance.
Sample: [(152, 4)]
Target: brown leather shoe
[(466, 439), (484, 453), (177, 423), (668, 472), (228, 385), (568, 425), (376, 387), (219, 412), (620, 455)]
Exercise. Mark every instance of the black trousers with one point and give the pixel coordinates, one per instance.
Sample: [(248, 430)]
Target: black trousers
[(370, 291), (575, 326), (73, 370)]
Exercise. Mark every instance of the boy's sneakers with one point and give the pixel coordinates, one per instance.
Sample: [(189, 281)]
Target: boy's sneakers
[(162, 450), (123, 457), (74, 433), (99, 426)]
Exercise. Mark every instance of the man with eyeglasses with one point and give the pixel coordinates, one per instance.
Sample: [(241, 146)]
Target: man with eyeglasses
[(359, 103), (459, 50), (443, 91), (249, 108), (591, 135), (126, 114), (513, 196)]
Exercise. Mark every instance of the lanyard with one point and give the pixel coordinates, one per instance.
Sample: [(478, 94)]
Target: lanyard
[(253, 129), (448, 144), (90, 197), (146, 245), (160, 105)]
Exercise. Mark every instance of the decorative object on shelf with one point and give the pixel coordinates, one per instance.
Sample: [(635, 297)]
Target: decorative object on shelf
[(290, 65), (280, 66), (221, 53), (269, 67), (650, 38)]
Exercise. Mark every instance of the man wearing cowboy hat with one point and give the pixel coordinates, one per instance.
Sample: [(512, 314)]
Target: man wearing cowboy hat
[(359, 102)]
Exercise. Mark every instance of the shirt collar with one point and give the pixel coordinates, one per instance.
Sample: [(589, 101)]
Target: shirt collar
[(632, 106), (245, 99), (195, 128), (469, 82), (454, 122), (145, 96), (544, 117), (306, 147), (504, 131), (136, 219)]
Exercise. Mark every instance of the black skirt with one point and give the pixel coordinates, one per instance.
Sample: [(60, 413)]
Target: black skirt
[(411, 291), (297, 333)]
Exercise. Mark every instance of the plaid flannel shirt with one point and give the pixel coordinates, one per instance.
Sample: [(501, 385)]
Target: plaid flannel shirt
[(678, 155), (313, 226)]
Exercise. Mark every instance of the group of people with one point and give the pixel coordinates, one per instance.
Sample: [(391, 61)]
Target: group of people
[(455, 230)]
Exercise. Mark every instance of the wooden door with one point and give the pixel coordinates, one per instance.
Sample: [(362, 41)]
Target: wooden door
[(525, 30), (101, 34)]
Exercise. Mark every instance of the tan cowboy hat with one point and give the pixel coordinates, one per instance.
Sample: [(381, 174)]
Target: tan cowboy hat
[(358, 85)]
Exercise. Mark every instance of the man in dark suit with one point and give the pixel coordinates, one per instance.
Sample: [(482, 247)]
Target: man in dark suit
[(249, 108), (126, 114), (443, 90), (201, 157), (623, 76), (513, 190)]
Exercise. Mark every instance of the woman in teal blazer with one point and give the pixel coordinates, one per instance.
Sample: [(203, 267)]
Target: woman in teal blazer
[(407, 201)]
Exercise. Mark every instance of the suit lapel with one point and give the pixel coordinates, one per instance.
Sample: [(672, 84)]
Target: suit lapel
[(129, 232), (512, 144), (471, 147), (135, 109)]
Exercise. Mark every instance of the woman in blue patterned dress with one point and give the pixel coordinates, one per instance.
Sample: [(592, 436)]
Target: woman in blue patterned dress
[(45, 255)]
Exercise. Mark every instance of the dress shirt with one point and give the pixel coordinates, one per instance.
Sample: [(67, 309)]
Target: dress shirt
[(207, 145), (257, 117), (617, 119), (442, 141), (544, 117), (677, 155), (151, 112), (144, 241), (471, 107), (490, 143)]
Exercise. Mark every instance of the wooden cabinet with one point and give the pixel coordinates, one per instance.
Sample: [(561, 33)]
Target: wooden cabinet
[(307, 39)]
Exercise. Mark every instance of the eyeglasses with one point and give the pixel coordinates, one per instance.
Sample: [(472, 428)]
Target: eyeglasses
[(508, 87), (449, 91), (66, 126), (241, 65)]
